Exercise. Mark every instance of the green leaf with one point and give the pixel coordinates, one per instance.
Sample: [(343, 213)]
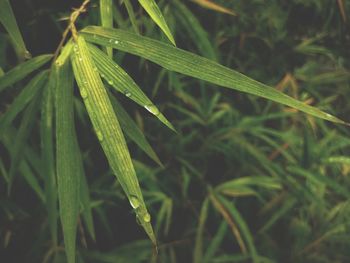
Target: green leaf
[(47, 155), (187, 63), (198, 249), (27, 122), (131, 129), (132, 16), (107, 18), (66, 169), (195, 31), (108, 130), (22, 70), (122, 82), (7, 18), (242, 226), (22, 100), (154, 12)]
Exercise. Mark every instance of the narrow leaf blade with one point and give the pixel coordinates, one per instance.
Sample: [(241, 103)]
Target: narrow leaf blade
[(67, 171), (108, 130), (122, 82), (154, 12), (107, 18), (22, 70), (187, 63)]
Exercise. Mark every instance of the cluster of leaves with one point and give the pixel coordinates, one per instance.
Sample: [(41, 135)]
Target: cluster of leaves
[(241, 180)]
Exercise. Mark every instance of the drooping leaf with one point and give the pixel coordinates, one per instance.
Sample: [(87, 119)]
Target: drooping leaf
[(47, 155), (22, 70), (154, 12), (122, 82), (187, 63), (107, 18), (8, 19), (84, 193), (23, 98), (108, 130), (27, 123), (131, 130), (66, 167)]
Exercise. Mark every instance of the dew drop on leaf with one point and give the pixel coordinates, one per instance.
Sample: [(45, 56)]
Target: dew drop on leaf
[(127, 93), (134, 202), (99, 136), (83, 93), (110, 82), (152, 109), (147, 218)]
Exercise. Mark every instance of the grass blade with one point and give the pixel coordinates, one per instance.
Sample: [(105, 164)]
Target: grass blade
[(131, 129), (198, 250), (191, 25), (132, 16), (47, 155), (122, 82), (213, 6), (107, 18), (22, 100), (108, 130), (8, 19), (154, 12), (27, 122), (67, 170), (187, 63), (22, 70)]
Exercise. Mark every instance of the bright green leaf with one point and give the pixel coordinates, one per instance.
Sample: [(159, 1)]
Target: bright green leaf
[(187, 63)]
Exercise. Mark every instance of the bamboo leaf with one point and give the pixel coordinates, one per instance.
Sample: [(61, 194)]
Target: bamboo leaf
[(122, 82), (195, 31), (108, 130), (131, 129), (187, 63), (132, 16), (22, 70), (107, 18), (67, 169), (22, 100), (8, 19), (154, 12), (47, 155), (24, 130)]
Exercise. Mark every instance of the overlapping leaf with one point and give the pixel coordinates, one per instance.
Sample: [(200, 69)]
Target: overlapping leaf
[(7, 18), (187, 63), (108, 130), (22, 70), (122, 82), (66, 166), (107, 18), (154, 12)]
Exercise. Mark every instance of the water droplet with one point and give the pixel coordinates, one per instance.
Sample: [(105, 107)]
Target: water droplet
[(95, 68), (58, 63), (110, 82), (147, 218), (134, 201), (127, 93), (152, 109), (27, 54), (80, 59), (83, 93), (99, 136), (102, 75), (110, 41), (116, 42)]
